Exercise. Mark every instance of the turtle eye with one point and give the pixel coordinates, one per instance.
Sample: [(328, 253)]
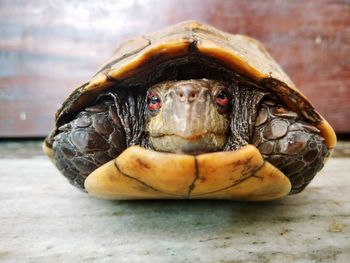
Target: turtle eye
[(222, 99), (153, 101)]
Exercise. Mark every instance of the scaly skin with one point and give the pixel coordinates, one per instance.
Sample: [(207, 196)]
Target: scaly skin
[(290, 144), (93, 138)]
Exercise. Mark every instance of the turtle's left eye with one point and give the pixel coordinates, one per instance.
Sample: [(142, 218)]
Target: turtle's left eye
[(153, 101), (222, 99)]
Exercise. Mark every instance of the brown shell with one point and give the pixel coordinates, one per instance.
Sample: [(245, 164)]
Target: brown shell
[(240, 53), (140, 173)]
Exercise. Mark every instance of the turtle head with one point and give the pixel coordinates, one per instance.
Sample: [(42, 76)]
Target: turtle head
[(189, 116)]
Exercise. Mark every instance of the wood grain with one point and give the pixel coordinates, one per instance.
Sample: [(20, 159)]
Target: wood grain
[(48, 48)]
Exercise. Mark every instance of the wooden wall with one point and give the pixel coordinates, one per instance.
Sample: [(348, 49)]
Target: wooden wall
[(47, 48)]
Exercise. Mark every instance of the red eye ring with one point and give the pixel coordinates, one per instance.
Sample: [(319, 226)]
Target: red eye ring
[(153, 101), (222, 99)]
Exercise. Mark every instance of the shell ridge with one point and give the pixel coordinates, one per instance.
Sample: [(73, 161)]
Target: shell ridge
[(126, 55)]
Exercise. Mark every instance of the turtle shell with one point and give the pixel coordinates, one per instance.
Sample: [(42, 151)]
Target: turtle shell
[(192, 177)]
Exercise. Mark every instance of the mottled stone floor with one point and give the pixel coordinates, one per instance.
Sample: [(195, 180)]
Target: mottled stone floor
[(44, 219)]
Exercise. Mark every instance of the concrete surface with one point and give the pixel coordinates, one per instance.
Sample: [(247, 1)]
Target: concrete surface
[(44, 219)]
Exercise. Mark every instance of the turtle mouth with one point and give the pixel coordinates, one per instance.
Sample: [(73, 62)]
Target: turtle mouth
[(193, 145)]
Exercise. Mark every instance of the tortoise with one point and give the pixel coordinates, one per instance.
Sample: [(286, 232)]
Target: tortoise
[(189, 112)]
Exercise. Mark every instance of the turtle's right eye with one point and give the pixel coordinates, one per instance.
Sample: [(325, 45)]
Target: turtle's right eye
[(153, 101)]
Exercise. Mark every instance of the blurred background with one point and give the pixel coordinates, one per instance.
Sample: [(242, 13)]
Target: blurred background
[(48, 48)]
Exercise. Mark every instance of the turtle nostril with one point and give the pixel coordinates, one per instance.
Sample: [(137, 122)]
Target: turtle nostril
[(187, 93)]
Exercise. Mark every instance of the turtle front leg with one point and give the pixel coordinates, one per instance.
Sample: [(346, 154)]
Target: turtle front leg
[(94, 137), (293, 146)]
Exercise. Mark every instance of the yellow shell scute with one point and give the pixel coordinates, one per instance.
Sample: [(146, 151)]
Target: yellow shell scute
[(140, 173), (168, 173), (242, 175), (108, 182)]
